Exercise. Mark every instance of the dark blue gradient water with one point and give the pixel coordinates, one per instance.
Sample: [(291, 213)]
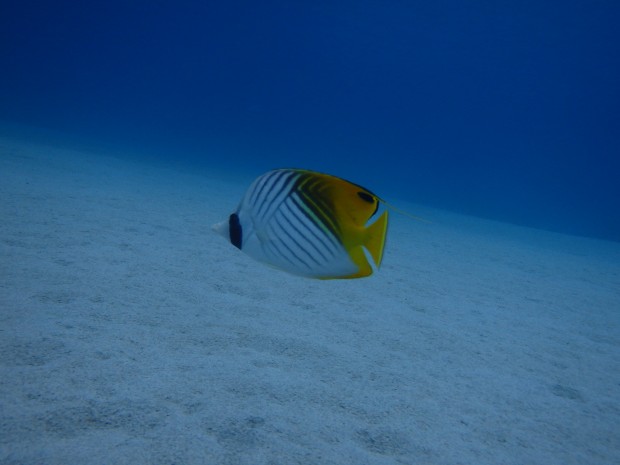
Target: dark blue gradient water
[(506, 110)]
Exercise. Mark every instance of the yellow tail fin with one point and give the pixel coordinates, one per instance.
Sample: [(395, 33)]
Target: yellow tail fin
[(375, 238)]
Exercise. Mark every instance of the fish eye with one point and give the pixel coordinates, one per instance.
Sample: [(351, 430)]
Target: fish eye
[(366, 197)]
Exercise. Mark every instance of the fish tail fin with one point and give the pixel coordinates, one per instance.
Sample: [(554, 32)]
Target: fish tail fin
[(375, 238)]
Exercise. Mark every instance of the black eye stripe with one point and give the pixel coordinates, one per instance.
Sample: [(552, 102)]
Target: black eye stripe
[(235, 231)]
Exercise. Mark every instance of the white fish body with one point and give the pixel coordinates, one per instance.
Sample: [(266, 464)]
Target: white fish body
[(309, 224)]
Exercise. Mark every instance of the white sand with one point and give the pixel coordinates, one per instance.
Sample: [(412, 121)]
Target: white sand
[(132, 334)]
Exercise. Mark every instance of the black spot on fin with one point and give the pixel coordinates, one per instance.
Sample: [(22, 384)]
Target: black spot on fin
[(366, 197), (235, 231)]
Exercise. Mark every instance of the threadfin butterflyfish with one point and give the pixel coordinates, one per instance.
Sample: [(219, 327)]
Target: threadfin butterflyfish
[(309, 224)]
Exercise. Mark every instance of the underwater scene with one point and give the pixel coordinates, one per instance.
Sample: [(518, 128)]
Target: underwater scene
[(309, 232)]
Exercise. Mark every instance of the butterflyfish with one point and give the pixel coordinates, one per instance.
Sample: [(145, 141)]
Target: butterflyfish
[(309, 224)]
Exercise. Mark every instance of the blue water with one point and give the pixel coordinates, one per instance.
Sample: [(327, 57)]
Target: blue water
[(507, 110)]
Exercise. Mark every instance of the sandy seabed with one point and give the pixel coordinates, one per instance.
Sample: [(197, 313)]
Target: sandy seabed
[(132, 334)]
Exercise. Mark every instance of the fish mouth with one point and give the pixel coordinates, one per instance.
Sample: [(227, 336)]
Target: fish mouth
[(221, 228)]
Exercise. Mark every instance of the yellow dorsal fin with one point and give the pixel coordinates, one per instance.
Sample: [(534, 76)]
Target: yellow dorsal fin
[(352, 205)]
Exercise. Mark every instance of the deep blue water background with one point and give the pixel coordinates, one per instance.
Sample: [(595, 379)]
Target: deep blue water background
[(507, 109)]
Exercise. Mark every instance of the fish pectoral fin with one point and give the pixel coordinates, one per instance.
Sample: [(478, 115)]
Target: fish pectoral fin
[(375, 238)]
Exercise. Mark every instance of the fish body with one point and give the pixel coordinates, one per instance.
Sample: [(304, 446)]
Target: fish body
[(309, 224)]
